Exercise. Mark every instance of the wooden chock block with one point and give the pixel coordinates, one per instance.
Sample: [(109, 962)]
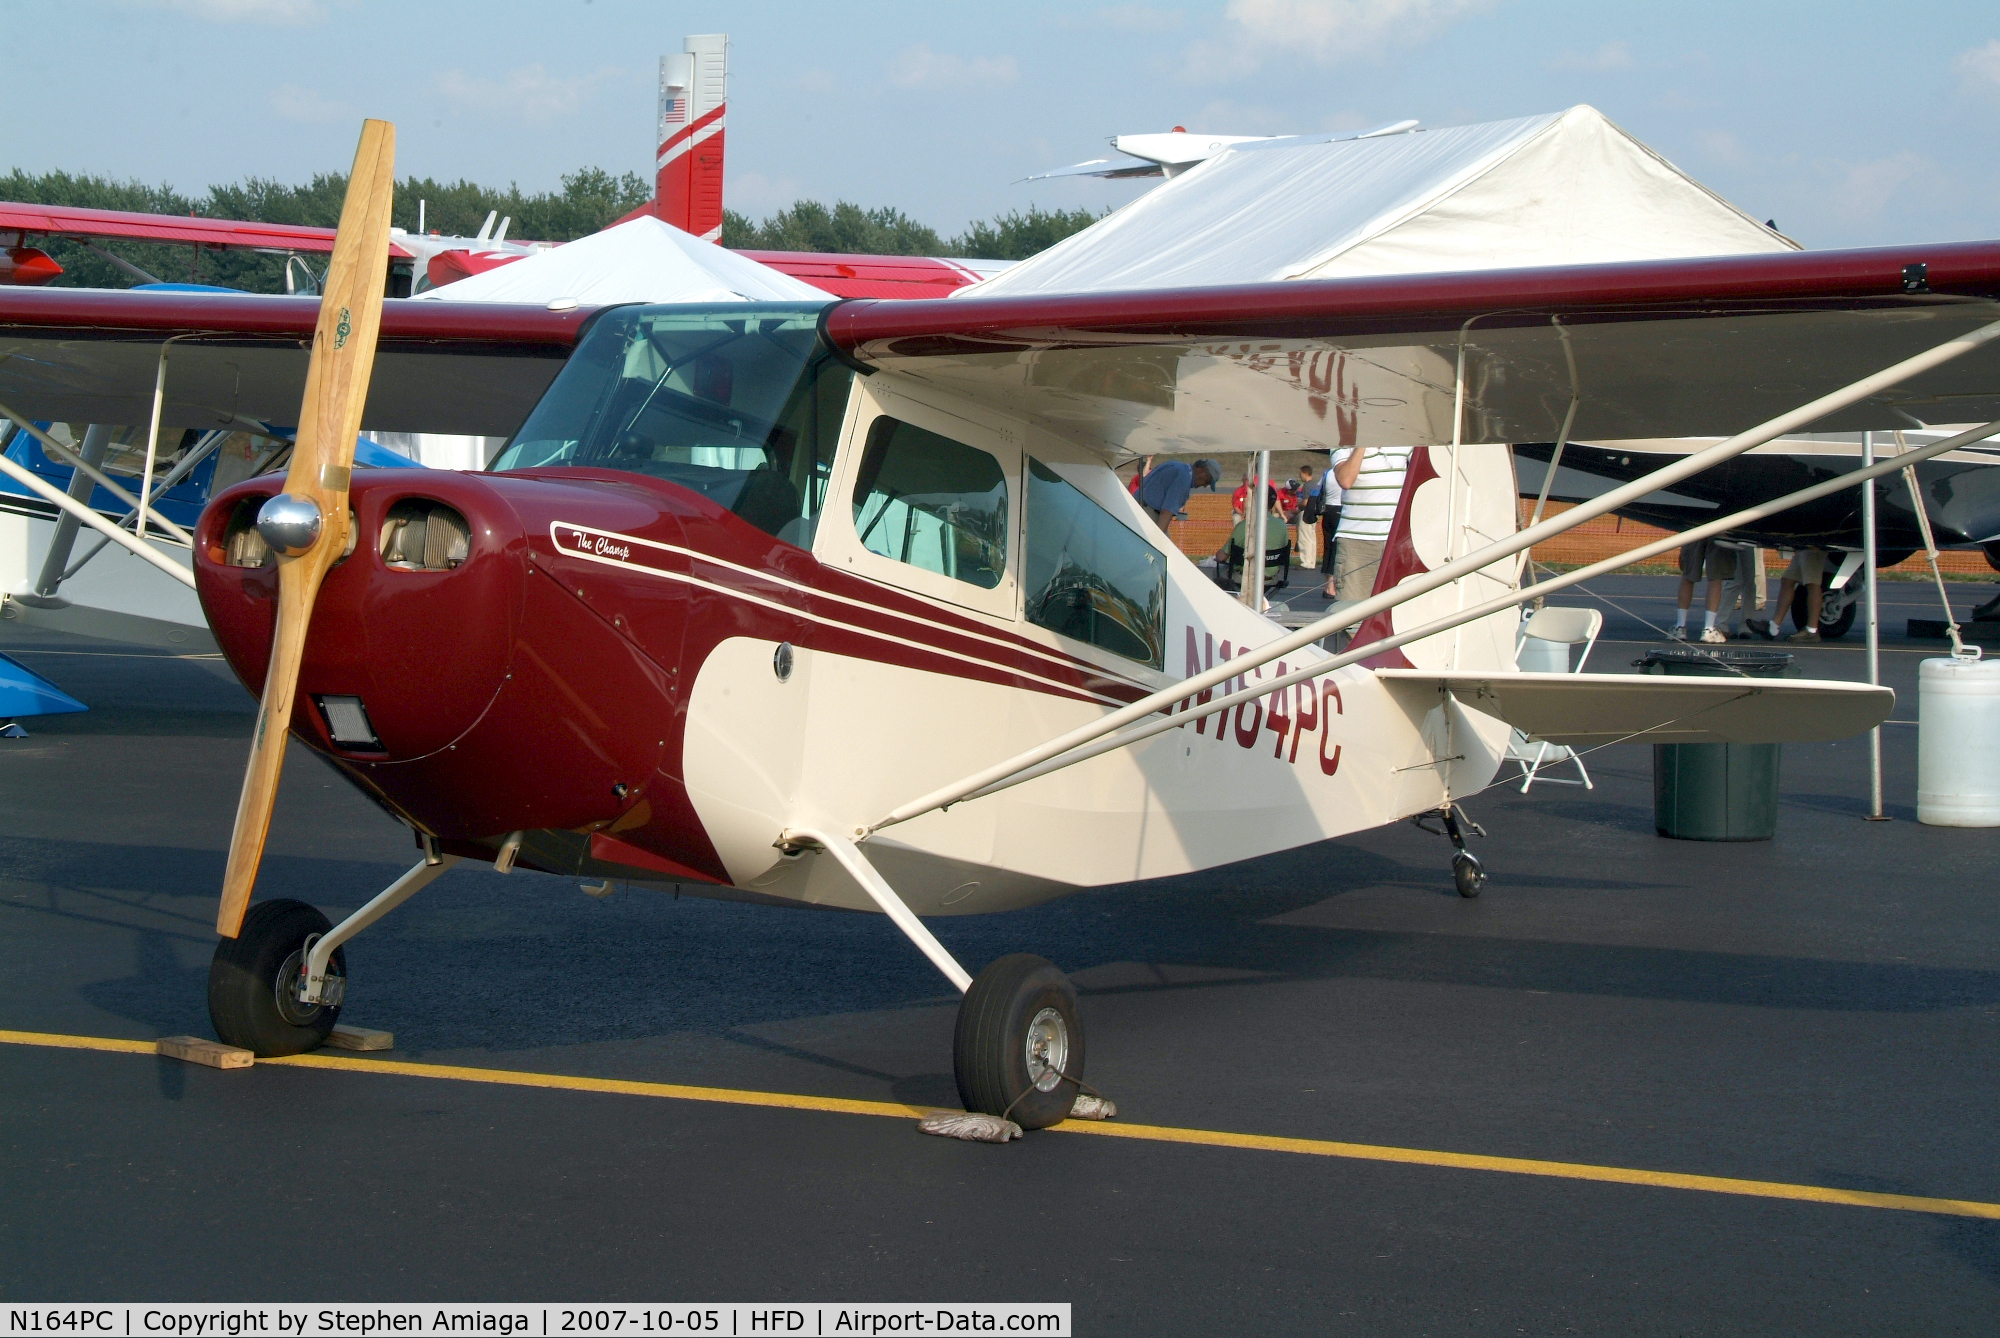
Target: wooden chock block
[(197, 1051), (344, 1037)]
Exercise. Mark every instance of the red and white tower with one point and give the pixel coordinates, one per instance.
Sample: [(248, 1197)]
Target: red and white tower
[(694, 92)]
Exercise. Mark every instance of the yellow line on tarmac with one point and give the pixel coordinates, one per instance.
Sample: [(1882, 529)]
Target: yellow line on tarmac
[(1150, 1133), (673, 1091), (58, 1041)]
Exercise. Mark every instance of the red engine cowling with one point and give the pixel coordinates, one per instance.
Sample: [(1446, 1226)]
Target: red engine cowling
[(452, 675)]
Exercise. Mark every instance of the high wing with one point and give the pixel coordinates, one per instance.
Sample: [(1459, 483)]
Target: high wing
[(91, 356), (1650, 349)]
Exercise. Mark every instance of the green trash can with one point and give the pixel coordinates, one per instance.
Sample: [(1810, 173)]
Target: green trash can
[(1716, 791)]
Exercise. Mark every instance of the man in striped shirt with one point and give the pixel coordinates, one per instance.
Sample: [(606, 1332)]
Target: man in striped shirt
[(1371, 479)]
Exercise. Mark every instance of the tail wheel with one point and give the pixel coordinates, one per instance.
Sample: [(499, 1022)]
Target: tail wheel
[(1019, 1047), (1468, 874), (253, 982)]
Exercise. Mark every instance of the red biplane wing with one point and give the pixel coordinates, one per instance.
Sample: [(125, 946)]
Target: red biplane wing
[(901, 277), (52, 220)]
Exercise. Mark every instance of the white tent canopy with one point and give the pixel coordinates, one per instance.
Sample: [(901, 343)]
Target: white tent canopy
[(644, 260), (1558, 189)]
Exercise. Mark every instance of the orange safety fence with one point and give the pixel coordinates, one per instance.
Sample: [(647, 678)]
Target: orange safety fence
[(1608, 536)]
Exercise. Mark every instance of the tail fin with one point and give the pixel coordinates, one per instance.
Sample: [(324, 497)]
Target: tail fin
[(694, 95)]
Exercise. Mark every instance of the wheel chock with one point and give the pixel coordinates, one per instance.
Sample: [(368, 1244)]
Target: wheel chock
[(1090, 1107), (969, 1125), (344, 1037), (197, 1051)]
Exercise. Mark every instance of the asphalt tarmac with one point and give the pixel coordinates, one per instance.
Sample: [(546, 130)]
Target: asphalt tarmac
[(1818, 1010)]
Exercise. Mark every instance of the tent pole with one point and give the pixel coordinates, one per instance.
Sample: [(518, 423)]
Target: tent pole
[(1874, 626), (1256, 533)]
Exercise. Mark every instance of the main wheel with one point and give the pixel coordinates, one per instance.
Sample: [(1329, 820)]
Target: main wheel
[(1836, 609), (254, 978), (1467, 872), (1019, 1047)]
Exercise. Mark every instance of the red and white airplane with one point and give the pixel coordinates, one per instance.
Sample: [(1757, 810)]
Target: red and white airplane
[(843, 605)]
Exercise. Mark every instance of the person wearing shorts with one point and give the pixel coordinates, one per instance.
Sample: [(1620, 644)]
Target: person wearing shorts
[(1371, 482), (1806, 568), (1705, 558), (1744, 593)]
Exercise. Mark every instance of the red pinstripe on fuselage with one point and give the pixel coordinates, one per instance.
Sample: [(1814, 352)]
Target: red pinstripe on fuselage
[(603, 649)]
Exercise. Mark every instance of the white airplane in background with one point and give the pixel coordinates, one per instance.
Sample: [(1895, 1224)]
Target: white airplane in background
[(1173, 152)]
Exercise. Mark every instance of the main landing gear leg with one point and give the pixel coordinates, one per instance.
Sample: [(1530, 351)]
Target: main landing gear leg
[(276, 988), (1466, 871), (1018, 1050)]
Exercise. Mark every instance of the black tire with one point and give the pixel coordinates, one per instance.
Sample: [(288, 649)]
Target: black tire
[(990, 1050), (244, 1002), (1467, 873), (1841, 623)]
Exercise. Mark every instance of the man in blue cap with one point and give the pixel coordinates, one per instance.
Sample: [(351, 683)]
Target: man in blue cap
[(1165, 490)]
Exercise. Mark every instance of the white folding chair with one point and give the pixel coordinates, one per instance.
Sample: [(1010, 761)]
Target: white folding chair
[(1543, 647)]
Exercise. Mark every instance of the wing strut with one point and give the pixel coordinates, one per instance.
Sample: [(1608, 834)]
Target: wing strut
[(878, 889), (1084, 753), (1355, 614), (27, 478), (102, 479)]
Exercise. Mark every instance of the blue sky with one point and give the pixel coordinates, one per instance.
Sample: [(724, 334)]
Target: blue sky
[(1850, 124)]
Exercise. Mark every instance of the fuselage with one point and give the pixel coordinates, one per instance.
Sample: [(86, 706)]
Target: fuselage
[(719, 585)]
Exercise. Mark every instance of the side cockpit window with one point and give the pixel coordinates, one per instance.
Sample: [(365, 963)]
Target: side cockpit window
[(934, 503), (1086, 575)]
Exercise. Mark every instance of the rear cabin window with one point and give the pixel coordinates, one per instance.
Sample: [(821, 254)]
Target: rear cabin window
[(932, 502), (1087, 576)]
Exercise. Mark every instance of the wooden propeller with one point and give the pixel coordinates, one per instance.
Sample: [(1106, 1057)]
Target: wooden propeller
[(307, 524)]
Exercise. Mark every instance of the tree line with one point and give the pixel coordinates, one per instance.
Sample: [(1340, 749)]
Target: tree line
[(589, 199)]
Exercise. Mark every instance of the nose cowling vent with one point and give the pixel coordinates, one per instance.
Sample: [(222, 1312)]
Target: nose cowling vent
[(422, 535), (242, 546)]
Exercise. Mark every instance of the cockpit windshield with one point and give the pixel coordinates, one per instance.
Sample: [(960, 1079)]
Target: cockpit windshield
[(742, 404)]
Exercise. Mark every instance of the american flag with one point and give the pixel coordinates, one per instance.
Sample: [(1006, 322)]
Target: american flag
[(676, 110)]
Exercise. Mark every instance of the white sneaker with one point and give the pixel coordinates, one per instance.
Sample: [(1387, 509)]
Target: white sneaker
[(1677, 634), (1714, 637)]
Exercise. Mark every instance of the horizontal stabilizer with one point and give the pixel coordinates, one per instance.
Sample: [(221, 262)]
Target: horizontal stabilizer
[(1101, 167), (1587, 709)]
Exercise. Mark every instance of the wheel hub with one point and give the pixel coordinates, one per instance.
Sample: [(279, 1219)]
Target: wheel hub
[(1047, 1049), (291, 979)]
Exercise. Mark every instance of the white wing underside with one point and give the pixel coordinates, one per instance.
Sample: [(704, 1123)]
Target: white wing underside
[(1587, 709)]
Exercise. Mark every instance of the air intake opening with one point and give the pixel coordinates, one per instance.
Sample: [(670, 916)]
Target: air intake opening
[(242, 546), (422, 535), (347, 721)]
